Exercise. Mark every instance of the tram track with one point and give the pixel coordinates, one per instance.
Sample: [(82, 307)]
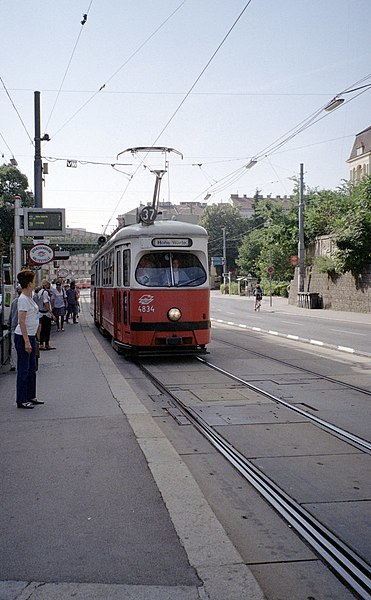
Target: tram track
[(339, 556), (296, 367), (358, 442)]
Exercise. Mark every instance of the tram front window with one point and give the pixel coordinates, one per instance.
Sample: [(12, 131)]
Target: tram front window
[(170, 269)]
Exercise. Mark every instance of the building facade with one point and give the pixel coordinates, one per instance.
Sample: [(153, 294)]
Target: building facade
[(360, 157)]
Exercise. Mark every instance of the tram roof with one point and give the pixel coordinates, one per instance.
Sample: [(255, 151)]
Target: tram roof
[(158, 228), (173, 228)]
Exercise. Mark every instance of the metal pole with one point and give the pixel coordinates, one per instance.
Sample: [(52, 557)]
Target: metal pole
[(301, 271), (224, 251), (17, 238), (38, 177), (270, 289)]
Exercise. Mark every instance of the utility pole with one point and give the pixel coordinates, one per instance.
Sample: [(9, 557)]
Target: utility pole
[(38, 178), (301, 270), (18, 233), (224, 258)]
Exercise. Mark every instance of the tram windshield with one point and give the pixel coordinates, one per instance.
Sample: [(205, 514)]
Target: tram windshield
[(170, 269)]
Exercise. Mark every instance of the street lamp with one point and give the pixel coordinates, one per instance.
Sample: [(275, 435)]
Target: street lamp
[(337, 101)]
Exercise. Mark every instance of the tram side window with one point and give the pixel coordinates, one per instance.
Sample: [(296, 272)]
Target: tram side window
[(100, 272), (118, 268), (108, 269), (170, 269), (126, 267)]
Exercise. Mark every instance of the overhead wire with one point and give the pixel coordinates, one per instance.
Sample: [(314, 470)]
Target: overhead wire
[(6, 144), (17, 111), (184, 99), (102, 87), (272, 148), (83, 22)]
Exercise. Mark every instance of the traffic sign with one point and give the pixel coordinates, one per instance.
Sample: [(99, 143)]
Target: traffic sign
[(61, 254), (217, 260), (41, 254), (62, 273), (270, 270)]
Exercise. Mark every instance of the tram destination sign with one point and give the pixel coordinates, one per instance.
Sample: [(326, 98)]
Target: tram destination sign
[(172, 242), (44, 221)]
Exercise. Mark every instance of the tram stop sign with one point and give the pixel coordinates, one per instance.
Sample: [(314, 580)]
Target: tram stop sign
[(41, 254)]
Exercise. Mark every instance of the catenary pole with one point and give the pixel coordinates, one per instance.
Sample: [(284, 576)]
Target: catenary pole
[(301, 231), (38, 189)]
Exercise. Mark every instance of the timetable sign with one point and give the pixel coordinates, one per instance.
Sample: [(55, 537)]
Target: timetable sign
[(44, 221)]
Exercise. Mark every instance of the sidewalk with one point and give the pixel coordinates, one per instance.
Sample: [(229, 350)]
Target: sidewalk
[(280, 304), (96, 503)]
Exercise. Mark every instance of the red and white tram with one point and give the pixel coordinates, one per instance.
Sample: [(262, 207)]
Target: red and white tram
[(150, 288)]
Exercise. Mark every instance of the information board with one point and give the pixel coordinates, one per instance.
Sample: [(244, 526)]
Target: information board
[(44, 221)]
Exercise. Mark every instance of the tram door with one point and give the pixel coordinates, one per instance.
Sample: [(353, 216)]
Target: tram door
[(117, 300), (121, 295), (125, 300)]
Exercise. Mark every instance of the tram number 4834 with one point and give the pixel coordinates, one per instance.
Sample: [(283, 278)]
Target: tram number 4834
[(145, 309)]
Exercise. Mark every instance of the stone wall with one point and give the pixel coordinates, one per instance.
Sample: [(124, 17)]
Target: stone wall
[(342, 292)]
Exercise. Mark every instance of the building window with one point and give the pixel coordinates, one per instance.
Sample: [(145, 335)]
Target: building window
[(360, 150)]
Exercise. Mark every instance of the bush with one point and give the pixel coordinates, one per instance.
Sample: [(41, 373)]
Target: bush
[(280, 289), (325, 265), (225, 288)]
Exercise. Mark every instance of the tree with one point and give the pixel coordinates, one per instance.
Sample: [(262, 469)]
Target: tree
[(353, 230), (272, 242), (12, 183), (213, 220), (322, 208), (345, 214)]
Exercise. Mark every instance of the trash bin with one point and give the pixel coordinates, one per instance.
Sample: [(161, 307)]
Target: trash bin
[(314, 300)]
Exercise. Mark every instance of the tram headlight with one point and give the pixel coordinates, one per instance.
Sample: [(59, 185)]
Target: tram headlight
[(174, 314)]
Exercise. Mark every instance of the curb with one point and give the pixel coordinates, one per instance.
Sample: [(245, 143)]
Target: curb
[(295, 338)]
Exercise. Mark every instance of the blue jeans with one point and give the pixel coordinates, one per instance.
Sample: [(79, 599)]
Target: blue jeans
[(26, 369), (73, 310)]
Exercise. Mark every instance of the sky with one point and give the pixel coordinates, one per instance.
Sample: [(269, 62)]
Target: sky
[(223, 82)]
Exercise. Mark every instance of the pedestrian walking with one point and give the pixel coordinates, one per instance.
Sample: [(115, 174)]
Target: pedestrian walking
[(59, 305), (258, 293), (12, 324), (72, 302), (25, 342), (46, 316)]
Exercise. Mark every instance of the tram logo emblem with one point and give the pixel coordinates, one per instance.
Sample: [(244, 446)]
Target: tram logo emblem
[(146, 299)]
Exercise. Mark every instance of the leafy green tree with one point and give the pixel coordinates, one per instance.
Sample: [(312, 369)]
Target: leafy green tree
[(249, 253), (12, 183), (346, 214), (272, 242), (353, 230), (213, 220), (322, 208)]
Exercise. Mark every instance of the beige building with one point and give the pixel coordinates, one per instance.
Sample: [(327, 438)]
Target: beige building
[(360, 157), (82, 245)]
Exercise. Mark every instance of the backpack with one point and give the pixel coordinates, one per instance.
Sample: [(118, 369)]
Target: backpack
[(39, 299), (258, 294)]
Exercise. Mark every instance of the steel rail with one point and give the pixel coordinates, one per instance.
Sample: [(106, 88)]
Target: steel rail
[(348, 565), (360, 443), (284, 362)]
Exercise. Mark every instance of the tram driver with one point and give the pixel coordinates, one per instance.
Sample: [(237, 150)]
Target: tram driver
[(179, 275)]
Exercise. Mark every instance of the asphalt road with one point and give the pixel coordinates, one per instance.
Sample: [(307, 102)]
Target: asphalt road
[(350, 330)]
